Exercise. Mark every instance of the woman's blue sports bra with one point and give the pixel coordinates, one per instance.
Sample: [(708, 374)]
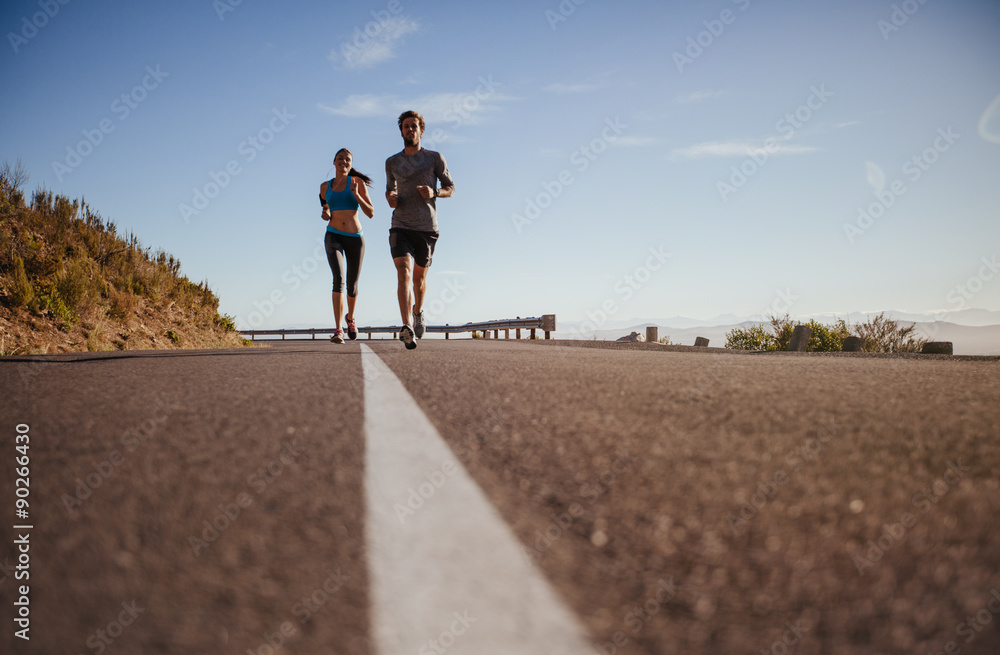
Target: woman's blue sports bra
[(337, 200)]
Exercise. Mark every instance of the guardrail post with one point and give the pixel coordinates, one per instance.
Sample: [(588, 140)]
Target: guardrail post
[(852, 345), (937, 348), (506, 333), (518, 333), (800, 338), (548, 324), (701, 342), (496, 334), (652, 334), (532, 334)]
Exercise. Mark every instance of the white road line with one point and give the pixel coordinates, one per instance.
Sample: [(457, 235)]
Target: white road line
[(448, 576)]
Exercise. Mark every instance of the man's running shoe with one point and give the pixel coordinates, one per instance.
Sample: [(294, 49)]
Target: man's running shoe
[(419, 325), (406, 336), (338, 336), (352, 329)]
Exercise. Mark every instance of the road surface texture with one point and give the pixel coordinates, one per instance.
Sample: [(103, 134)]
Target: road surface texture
[(672, 500)]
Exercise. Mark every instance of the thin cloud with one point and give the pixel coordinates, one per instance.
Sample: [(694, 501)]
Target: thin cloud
[(453, 107), (698, 96), (738, 149), (564, 89), (633, 141), (365, 50)]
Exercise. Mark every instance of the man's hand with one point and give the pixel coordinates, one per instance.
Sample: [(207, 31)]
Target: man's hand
[(426, 192), (392, 197)]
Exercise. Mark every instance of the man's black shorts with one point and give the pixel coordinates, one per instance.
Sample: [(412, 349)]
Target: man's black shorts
[(416, 244)]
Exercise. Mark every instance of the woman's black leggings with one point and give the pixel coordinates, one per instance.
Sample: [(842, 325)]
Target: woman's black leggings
[(344, 250)]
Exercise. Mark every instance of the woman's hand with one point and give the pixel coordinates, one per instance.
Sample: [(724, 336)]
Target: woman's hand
[(326, 214)]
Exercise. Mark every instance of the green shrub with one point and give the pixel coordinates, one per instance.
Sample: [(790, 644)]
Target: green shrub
[(173, 336), (827, 338), (755, 337), (74, 284), (51, 301), (226, 321), (20, 291)]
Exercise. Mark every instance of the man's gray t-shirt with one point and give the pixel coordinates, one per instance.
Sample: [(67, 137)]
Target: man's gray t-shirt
[(403, 174)]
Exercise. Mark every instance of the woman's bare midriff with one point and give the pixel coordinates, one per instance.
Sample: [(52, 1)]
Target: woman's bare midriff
[(345, 220)]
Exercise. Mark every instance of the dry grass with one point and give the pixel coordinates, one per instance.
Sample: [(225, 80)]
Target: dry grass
[(69, 281)]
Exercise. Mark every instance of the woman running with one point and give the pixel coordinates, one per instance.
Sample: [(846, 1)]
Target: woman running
[(345, 245)]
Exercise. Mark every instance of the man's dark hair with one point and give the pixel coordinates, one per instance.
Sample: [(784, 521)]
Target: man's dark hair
[(411, 114)]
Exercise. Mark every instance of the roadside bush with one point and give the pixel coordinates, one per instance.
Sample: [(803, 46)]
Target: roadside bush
[(226, 321), (783, 327), (755, 337), (828, 338), (881, 335), (75, 286), (50, 301), (885, 335), (122, 303), (825, 338), (20, 292)]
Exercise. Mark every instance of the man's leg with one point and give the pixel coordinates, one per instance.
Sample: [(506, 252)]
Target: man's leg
[(419, 287), (404, 278)]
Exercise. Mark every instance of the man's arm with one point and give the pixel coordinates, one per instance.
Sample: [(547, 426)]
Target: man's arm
[(390, 186), (443, 175)]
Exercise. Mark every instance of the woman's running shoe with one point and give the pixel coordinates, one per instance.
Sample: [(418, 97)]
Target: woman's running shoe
[(352, 329), (338, 336)]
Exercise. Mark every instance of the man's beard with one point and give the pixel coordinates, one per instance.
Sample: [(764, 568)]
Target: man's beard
[(411, 142)]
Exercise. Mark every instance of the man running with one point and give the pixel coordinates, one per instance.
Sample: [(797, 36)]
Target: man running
[(411, 178)]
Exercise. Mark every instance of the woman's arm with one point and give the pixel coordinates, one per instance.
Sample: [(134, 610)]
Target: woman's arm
[(361, 193), (322, 198)]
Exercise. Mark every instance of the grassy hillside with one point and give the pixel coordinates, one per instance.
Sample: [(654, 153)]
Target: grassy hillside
[(69, 282)]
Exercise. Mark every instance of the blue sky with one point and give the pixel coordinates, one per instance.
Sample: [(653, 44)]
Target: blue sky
[(612, 160)]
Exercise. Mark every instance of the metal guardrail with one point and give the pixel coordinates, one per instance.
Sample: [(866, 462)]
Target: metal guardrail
[(546, 323)]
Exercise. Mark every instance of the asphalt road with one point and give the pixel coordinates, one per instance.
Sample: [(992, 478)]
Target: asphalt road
[(699, 502)]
